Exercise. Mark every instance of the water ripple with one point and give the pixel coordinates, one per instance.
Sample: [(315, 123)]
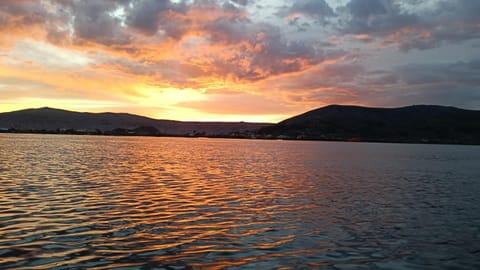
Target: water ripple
[(168, 203)]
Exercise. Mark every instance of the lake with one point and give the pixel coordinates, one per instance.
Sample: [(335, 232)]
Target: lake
[(102, 202)]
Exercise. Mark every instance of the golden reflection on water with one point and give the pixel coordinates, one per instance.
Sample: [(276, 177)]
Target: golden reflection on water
[(105, 202)]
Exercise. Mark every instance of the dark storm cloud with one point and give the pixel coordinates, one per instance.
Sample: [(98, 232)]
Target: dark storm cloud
[(384, 21), (242, 2), (316, 9), (388, 22), (454, 84), (341, 76), (93, 22), (263, 50), (458, 10), (464, 73), (377, 17), (229, 30), (177, 19), (366, 8), (449, 21), (146, 15)]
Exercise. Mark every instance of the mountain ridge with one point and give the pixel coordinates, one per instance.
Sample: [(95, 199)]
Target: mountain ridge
[(415, 123)]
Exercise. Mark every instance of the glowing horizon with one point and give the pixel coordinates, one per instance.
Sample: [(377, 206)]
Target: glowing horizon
[(236, 60)]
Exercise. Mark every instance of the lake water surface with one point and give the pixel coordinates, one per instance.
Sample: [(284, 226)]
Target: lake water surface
[(178, 203)]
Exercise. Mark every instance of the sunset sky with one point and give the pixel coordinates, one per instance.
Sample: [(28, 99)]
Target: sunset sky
[(233, 60)]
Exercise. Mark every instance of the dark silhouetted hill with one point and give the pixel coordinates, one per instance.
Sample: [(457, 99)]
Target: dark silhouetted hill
[(419, 123), (61, 121)]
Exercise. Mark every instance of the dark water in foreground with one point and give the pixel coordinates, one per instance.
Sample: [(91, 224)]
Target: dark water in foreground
[(170, 203)]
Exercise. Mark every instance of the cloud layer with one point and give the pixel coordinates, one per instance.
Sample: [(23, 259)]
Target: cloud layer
[(290, 57)]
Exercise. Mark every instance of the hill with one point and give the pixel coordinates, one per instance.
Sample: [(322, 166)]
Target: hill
[(419, 123), (412, 124), (49, 120)]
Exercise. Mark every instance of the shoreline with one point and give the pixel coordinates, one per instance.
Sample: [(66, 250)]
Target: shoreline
[(249, 137)]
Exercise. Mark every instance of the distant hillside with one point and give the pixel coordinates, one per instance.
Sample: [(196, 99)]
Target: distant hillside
[(420, 123), (62, 121), (415, 124)]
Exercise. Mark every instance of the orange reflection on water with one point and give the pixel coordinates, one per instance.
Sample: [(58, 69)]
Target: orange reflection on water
[(195, 202), (104, 202)]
